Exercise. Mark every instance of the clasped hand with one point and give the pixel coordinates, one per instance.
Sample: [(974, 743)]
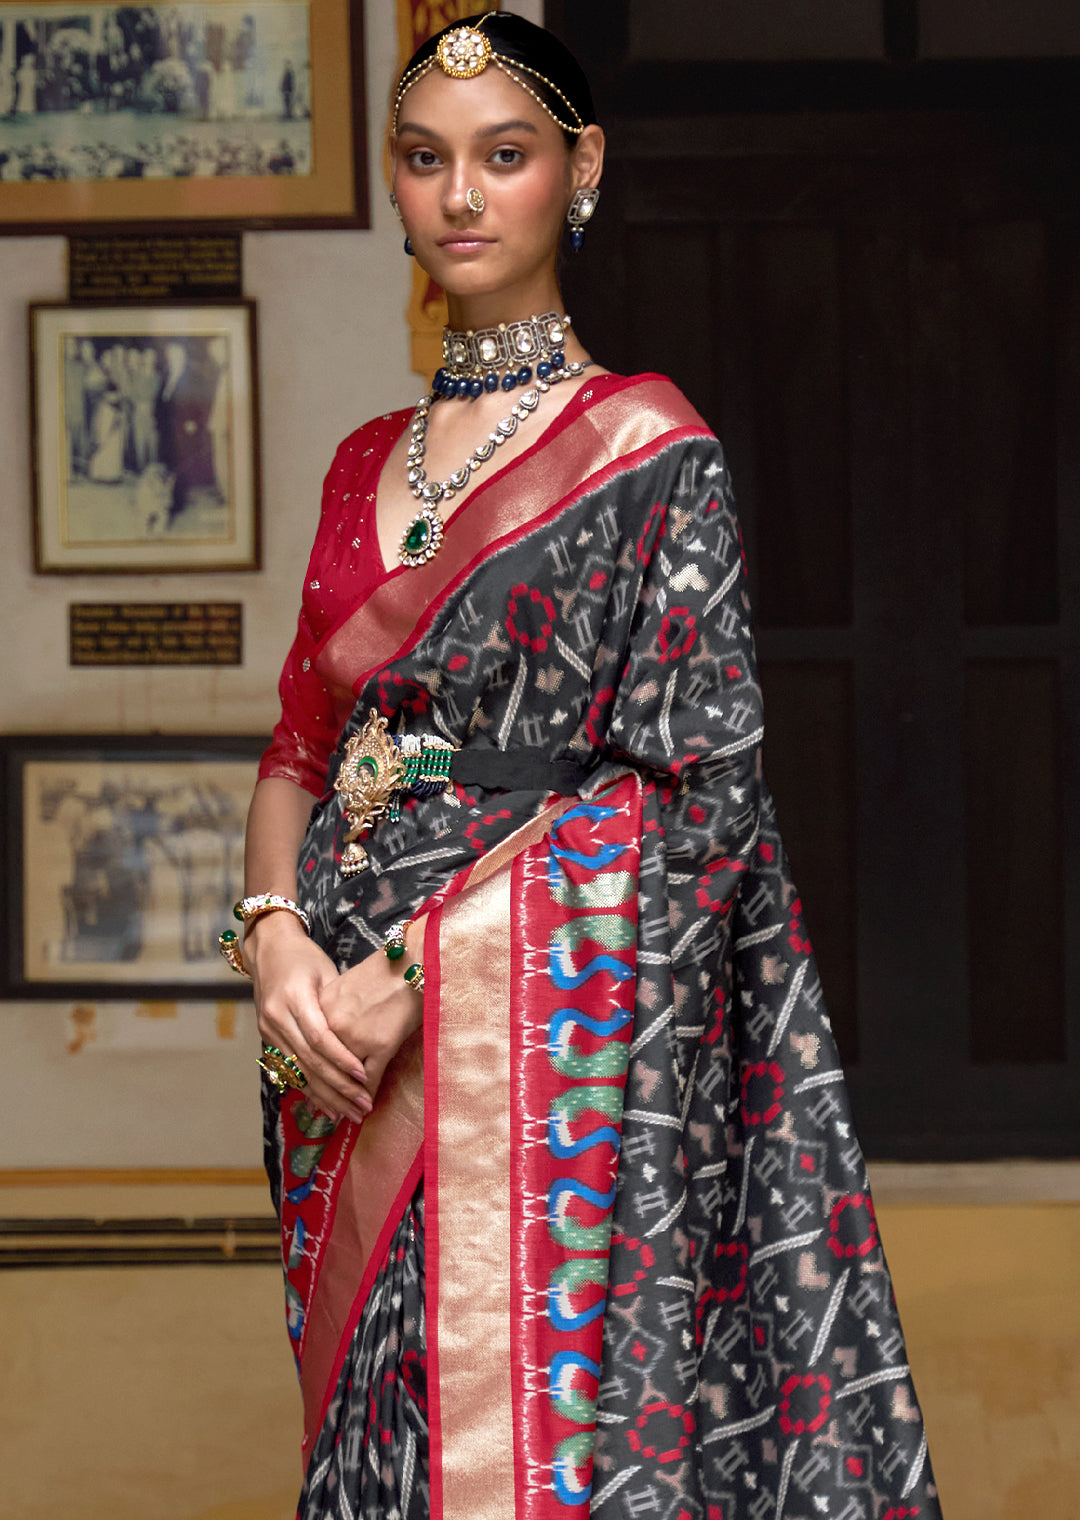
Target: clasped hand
[(344, 1028)]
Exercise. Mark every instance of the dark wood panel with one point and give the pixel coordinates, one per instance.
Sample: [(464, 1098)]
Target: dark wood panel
[(1009, 499), (999, 29), (1015, 935), (672, 332), (1067, 334), (809, 747), (683, 31), (803, 523)]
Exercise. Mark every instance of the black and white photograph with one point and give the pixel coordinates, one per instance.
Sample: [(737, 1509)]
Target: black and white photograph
[(123, 860), (159, 92), (214, 111), (145, 438)]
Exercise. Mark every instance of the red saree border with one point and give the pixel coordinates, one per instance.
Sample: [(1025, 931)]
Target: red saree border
[(467, 1206), (630, 422), (530, 967), (476, 874), (432, 1221), (573, 1009)]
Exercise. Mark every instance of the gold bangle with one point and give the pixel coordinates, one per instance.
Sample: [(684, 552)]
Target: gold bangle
[(250, 908), (229, 946), (415, 976)]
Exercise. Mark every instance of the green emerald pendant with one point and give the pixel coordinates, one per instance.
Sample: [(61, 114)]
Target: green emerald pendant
[(418, 536)]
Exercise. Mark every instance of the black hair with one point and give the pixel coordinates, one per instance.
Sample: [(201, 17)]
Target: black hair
[(519, 41)]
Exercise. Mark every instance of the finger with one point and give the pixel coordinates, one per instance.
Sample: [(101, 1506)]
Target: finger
[(283, 1029), (342, 1095), (330, 1103), (330, 1106), (330, 1046)]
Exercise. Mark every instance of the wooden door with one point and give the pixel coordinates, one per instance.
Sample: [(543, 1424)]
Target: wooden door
[(879, 312)]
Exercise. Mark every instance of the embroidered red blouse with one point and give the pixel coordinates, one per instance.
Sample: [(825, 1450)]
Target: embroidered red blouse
[(345, 566)]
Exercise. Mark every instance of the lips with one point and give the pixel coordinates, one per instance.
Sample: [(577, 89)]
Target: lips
[(463, 240)]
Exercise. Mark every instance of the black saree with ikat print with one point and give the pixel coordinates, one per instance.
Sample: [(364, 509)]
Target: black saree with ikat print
[(606, 1245)]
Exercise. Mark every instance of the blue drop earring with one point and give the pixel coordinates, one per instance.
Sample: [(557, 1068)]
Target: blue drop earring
[(580, 210), (409, 249)]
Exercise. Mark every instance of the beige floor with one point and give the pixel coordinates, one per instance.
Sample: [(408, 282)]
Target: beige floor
[(990, 1299), (169, 1393)]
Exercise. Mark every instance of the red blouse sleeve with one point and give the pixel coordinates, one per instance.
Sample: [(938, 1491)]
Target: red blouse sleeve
[(339, 576)]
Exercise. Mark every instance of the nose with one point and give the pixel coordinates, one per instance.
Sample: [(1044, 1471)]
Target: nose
[(455, 196)]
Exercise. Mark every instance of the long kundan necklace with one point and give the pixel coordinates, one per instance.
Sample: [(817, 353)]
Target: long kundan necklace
[(527, 355)]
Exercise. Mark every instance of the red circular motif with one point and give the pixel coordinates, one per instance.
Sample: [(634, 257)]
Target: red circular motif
[(804, 1404), (662, 1431), (852, 1226), (536, 642), (762, 1092)]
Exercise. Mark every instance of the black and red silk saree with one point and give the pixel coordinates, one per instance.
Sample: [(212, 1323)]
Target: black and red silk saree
[(606, 1246)]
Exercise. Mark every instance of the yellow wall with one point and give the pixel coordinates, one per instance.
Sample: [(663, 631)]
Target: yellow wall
[(169, 1394)]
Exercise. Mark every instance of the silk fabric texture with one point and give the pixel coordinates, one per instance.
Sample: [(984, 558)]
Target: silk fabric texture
[(654, 1280)]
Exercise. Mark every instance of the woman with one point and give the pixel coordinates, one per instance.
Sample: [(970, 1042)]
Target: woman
[(604, 1244), (108, 431)]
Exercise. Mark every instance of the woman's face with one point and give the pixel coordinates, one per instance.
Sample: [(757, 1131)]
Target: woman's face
[(486, 133)]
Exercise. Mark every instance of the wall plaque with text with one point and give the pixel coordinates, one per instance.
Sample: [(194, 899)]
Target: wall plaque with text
[(156, 633), (154, 268)]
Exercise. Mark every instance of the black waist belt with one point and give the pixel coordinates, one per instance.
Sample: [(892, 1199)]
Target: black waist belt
[(516, 770)]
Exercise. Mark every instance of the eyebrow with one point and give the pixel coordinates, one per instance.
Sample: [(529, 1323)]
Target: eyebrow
[(496, 131)]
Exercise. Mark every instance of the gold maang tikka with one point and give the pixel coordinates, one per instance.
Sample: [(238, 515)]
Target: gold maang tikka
[(466, 52)]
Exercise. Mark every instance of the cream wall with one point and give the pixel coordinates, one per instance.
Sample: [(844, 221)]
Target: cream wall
[(333, 351)]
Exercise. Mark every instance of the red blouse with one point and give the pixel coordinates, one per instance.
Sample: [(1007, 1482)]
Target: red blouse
[(344, 568)]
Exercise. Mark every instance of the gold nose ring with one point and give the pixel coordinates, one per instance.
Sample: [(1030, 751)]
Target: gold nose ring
[(475, 199)]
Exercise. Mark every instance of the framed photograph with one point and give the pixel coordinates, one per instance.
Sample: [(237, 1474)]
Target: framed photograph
[(122, 860), (215, 111), (145, 438)]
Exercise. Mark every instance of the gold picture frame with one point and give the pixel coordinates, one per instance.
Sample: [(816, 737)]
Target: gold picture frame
[(144, 438), (181, 117)]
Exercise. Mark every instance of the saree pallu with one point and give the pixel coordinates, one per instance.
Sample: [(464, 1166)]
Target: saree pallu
[(606, 1245)]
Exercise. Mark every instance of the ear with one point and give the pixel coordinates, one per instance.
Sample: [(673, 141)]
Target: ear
[(587, 158)]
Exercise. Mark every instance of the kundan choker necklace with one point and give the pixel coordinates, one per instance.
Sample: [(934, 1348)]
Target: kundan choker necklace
[(469, 356), (474, 362)]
